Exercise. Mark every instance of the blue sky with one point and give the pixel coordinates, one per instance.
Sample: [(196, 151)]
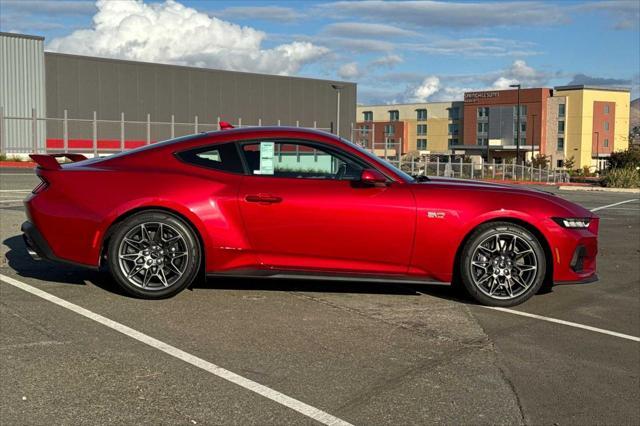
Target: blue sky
[(395, 51)]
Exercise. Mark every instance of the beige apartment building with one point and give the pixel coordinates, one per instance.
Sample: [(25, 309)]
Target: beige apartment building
[(402, 128), (582, 123)]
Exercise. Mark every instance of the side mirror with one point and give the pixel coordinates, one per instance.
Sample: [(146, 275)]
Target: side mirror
[(372, 176)]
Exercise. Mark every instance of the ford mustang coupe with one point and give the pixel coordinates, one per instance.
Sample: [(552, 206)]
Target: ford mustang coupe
[(284, 202)]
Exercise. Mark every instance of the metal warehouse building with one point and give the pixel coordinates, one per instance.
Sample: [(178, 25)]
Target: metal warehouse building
[(57, 101)]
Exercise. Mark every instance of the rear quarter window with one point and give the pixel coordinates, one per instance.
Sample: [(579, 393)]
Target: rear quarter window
[(223, 157)]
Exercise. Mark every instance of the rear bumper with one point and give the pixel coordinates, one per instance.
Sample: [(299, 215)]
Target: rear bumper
[(36, 245), (38, 248)]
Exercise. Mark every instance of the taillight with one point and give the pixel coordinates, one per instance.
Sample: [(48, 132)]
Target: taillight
[(41, 186)]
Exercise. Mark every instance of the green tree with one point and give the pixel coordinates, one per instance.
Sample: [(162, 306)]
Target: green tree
[(623, 159), (540, 161), (569, 163)]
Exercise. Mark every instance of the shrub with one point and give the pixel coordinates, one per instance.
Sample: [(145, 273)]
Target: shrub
[(570, 163), (540, 161), (629, 158), (628, 177), (5, 157)]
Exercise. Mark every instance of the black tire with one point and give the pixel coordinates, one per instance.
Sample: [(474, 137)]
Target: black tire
[(170, 275), (474, 276)]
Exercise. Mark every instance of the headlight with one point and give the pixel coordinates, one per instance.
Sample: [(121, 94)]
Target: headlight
[(572, 222)]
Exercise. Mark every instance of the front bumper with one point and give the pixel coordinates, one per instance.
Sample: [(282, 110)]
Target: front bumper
[(574, 254)]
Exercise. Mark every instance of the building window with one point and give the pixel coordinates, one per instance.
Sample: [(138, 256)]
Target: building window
[(390, 143), (421, 114), (422, 144), (560, 143), (421, 129), (560, 164), (606, 109), (483, 127), (561, 110), (454, 113), (394, 115), (368, 115), (453, 129), (606, 143), (560, 126), (453, 141), (606, 125), (389, 129), (483, 141), (483, 112), (523, 111)]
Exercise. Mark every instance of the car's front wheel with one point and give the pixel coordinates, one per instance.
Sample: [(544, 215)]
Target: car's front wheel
[(502, 264), (154, 255)]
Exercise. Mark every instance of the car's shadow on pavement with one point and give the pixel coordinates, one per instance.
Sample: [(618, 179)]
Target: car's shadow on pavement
[(330, 286), (20, 261), (58, 273)]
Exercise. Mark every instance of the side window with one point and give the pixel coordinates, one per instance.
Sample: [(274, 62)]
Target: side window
[(290, 159), (222, 157)]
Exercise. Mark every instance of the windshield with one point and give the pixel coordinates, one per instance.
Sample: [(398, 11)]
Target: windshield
[(379, 160)]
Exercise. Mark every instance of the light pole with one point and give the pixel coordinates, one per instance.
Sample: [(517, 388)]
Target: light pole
[(338, 88), (533, 137), (598, 151), (518, 129)]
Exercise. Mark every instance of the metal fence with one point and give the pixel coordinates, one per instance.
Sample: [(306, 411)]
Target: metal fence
[(106, 136), (93, 135), (481, 170)]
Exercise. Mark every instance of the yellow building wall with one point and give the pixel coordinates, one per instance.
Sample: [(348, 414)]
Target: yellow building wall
[(579, 122)]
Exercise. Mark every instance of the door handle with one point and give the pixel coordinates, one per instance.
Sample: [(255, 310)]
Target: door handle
[(263, 198)]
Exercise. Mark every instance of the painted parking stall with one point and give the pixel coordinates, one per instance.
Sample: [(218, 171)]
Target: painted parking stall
[(355, 353)]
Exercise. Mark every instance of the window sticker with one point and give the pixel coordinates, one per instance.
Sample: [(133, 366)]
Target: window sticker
[(267, 151)]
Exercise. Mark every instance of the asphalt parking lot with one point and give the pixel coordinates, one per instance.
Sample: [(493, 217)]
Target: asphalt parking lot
[(361, 353)]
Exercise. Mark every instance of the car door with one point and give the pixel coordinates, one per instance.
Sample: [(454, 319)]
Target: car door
[(304, 208)]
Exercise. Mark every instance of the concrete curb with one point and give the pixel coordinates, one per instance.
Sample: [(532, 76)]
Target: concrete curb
[(599, 188)]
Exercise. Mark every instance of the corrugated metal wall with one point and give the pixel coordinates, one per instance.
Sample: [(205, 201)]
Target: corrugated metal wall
[(22, 87), (81, 85)]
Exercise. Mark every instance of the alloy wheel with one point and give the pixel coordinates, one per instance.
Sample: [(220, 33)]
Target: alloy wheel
[(504, 266), (153, 256)]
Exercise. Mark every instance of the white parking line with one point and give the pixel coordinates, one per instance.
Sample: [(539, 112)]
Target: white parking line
[(569, 323), (613, 205), (15, 190), (280, 398)]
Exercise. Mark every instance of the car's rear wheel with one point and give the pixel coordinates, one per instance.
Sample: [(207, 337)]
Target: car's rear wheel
[(502, 264), (154, 255)]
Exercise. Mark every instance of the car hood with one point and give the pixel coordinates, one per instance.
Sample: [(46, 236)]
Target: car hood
[(472, 187)]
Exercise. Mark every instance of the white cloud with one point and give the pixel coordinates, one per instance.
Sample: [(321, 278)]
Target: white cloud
[(448, 14), (170, 32), (487, 46), (625, 12), (57, 8), (423, 91), (388, 61), (431, 88), (361, 29), (264, 13), (349, 71)]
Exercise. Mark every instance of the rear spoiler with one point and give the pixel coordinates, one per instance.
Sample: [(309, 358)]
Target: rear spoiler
[(49, 162)]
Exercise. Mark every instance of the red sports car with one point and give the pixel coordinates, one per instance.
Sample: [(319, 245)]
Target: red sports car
[(284, 202)]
